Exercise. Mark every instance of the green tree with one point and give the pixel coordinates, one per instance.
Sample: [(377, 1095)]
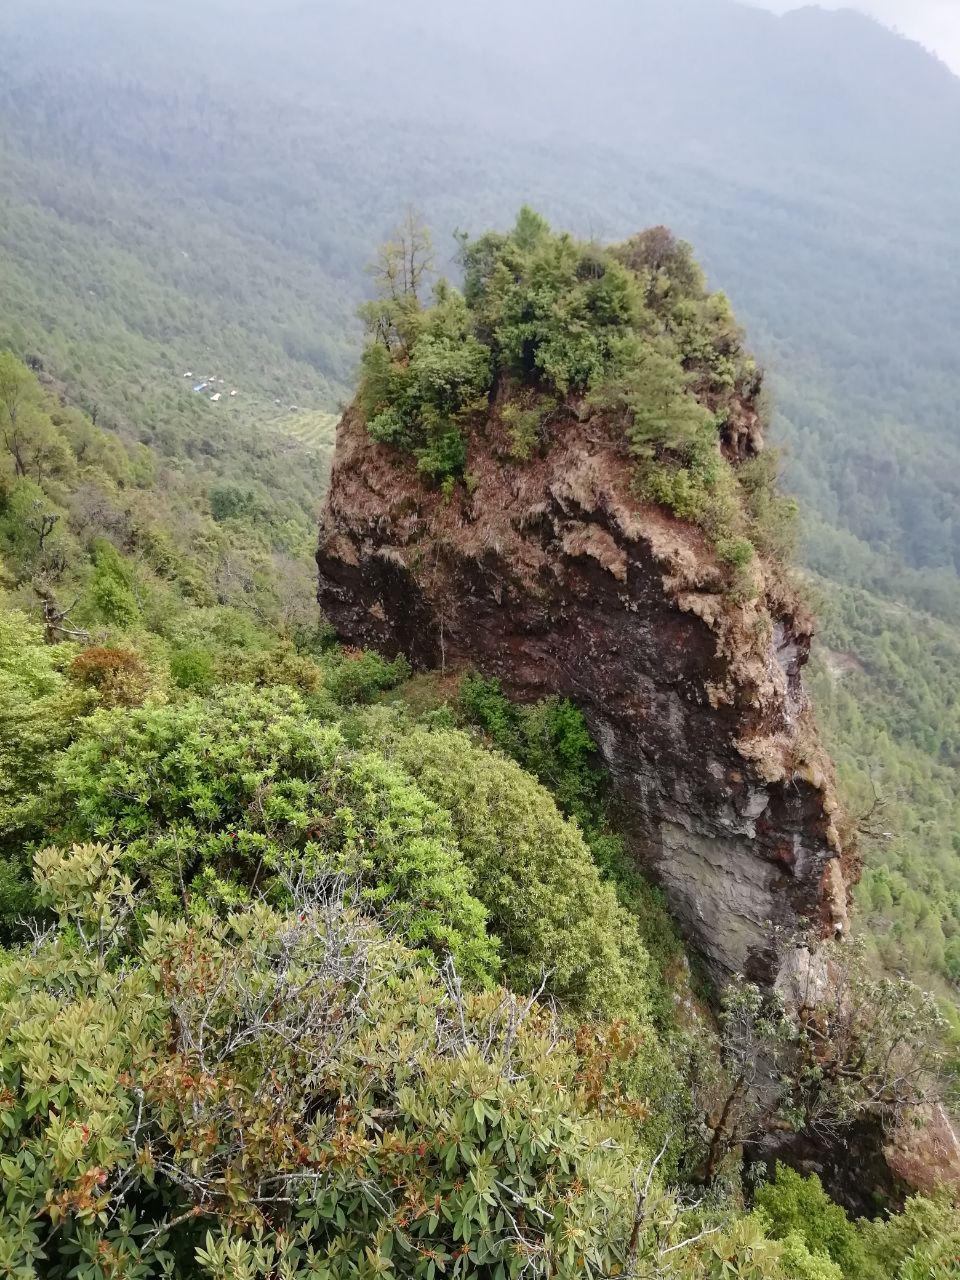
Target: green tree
[(38, 713), (547, 319), (798, 1206), (112, 589), (921, 1243), (556, 919), (213, 800), (18, 397)]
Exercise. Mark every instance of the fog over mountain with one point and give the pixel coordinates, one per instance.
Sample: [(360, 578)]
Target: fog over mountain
[(934, 23)]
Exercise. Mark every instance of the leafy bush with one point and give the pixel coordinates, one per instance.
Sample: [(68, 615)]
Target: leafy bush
[(736, 552), (291, 1089), (525, 427), (773, 516), (921, 1243), (282, 664), (653, 387), (193, 669), (119, 676), (798, 1206), (211, 800), (550, 739), (229, 501), (552, 307), (530, 868), (290, 1093), (362, 674), (39, 708), (111, 588), (800, 1263), (422, 377)]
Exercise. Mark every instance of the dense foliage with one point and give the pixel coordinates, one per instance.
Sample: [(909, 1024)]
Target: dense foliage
[(550, 740), (885, 687), (91, 516), (271, 1092), (213, 799), (557, 921), (920, 1244), (259, 896), (548, 322), (168, 204), (290, 1093)]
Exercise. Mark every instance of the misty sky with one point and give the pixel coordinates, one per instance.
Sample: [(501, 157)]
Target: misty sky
[(935, 23)]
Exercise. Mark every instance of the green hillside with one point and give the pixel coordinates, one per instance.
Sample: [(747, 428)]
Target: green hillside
[(170, 202), (271, 915), (312, 969)]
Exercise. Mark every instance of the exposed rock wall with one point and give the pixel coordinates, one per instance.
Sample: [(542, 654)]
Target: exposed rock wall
[(551, 576)]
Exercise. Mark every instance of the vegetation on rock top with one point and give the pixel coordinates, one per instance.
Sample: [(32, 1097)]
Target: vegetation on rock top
[(550, 324)]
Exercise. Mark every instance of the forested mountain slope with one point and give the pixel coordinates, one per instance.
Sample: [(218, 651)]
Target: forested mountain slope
[(199, 188), (804, 156), (307, 969)]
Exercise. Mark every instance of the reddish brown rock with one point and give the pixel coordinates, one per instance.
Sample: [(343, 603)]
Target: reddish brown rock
[(925, 1152), (552, 576)]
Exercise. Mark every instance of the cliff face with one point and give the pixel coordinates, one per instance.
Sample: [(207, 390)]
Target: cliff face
[(551, 576)]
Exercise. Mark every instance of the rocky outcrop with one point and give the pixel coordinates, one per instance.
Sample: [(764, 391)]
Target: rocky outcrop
[(552, 576)]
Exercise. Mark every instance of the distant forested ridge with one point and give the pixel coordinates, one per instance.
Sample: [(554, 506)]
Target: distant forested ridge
[(199, 188)]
